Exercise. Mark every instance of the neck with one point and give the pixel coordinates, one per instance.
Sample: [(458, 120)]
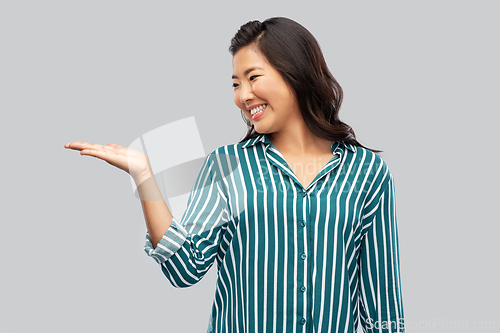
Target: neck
[(299, 140)]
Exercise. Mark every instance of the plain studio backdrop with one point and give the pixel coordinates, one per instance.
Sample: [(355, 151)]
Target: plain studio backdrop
[(420, 81)]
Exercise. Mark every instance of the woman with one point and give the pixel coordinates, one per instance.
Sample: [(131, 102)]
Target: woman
[(299, 216)]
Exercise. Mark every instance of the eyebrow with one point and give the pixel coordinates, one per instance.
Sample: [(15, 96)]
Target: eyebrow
[(247, 71)]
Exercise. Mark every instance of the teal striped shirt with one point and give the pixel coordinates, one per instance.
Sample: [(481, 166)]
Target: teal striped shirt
[(290, 259)]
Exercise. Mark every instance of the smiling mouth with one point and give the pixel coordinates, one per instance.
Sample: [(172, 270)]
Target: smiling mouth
[(258, 109)]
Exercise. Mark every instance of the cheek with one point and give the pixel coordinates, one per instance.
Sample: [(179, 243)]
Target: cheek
[(268, 91), (261, 90)]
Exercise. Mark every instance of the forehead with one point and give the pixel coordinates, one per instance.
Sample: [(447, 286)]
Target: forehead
[(246, 57)]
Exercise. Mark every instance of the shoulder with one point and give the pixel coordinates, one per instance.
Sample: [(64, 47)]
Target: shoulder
[(368, 164), (235, 151), (225, 150), (224, 159)]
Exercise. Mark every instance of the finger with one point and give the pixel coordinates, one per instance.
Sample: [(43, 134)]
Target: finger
[(111, 144), (73, 145), (118, 149), (114, 145), (79, 145), (99, 153)]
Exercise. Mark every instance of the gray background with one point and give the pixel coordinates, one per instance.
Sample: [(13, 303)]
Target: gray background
[(421, 81)]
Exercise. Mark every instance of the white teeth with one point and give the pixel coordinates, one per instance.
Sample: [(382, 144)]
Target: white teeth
[(258, 109)]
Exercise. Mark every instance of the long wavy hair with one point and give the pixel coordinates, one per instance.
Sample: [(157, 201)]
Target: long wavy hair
[(294, 52)]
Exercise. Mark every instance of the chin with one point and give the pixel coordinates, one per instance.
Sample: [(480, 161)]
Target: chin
[(262, 127), (261, 130)]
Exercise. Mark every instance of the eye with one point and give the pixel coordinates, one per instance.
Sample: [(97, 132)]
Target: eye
[(253, 77), (235, 85)]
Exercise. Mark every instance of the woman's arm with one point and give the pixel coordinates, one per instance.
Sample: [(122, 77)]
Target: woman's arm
[(190, 245), (156, 213), (184, 250), (381, 303)]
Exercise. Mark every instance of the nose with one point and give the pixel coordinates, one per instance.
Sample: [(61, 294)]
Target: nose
[(246, 93)]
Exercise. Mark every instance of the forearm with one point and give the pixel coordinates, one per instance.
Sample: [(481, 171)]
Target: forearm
[(156, 213)]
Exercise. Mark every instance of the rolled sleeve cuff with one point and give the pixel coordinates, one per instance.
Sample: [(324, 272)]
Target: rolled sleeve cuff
[(171, 242)]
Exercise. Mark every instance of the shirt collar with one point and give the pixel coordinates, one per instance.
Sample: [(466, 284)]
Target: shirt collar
[(265, 140), (253, 141)]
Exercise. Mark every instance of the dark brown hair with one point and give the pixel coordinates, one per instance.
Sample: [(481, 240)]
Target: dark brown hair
[(294, 52)]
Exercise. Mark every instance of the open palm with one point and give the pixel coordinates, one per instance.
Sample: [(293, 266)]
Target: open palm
[(129, 160)]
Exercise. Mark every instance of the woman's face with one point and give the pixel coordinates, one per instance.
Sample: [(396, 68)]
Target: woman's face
[(259, 87)]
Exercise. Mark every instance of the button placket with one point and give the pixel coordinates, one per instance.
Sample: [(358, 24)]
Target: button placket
[(302, 252)]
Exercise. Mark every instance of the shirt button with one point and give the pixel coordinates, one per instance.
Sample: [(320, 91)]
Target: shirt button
[(303, 256), (303, 223), (303, 321), (303, 288)]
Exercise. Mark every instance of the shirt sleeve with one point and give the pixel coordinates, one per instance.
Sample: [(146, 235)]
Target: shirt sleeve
[(381, 306), (189, 247)]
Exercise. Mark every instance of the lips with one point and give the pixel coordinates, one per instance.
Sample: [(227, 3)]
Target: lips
[(258, 111)]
